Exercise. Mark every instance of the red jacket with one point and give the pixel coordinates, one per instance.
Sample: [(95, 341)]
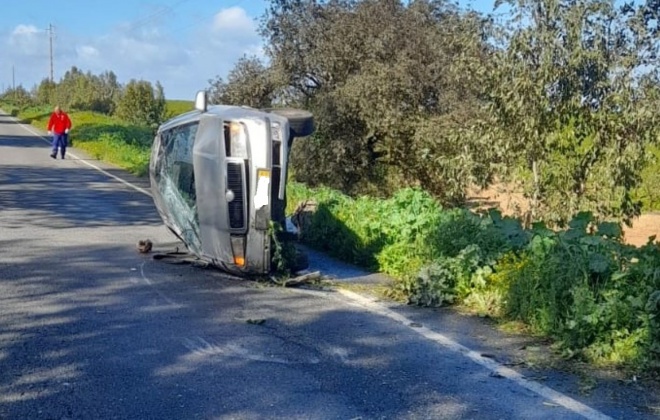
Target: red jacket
[(59, 122)]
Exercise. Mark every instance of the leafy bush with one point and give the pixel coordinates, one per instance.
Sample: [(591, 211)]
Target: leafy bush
[(388, 235), (597, 297), (587, 290), (142, 104)]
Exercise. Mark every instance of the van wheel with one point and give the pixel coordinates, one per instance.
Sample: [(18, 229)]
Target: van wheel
[(301, 122)]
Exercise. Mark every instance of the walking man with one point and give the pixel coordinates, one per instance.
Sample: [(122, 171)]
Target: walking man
[(59, 126)]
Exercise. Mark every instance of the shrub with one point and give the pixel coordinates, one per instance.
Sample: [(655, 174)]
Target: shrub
[(141, 104), (597, 297)]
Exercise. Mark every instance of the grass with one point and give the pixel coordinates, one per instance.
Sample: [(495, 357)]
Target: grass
[(177, 107)]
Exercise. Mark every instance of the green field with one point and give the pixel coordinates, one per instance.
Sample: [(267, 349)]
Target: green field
[(176, 107)]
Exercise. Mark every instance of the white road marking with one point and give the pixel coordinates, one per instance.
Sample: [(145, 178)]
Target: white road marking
[(541, 390), (104, 172)]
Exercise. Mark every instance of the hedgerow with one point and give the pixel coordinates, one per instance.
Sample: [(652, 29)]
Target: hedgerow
[(596, 296)]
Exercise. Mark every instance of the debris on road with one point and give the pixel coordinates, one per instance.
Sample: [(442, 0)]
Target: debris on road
[(145, 246), (302, 279)]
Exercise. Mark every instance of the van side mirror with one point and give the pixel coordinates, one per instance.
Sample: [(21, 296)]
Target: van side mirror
[(201, 101)]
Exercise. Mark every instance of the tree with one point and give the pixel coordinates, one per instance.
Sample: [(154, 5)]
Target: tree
[(45, 92), (249, 83), (18, 96), (83, 91), (391, 85), (142, 104), (108, 91), (66, 92), (571, 103)]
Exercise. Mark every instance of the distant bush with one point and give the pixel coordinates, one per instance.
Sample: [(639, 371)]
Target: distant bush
[(18, 98), (142, 104)]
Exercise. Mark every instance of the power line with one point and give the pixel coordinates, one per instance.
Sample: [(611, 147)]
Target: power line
[(151, 17)]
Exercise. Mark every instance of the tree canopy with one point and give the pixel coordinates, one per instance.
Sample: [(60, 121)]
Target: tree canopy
[(559, 96)]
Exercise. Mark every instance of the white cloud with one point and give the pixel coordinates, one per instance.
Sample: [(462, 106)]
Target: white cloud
[(183, 61), (87, 51), (28, 39), (24, 30), (233, 19)]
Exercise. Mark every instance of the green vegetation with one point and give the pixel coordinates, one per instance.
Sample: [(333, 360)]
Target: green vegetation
[(249, 83), (178, 107), (559, 96), (597, 297), (648, 193), (570, 106), (141, 104)]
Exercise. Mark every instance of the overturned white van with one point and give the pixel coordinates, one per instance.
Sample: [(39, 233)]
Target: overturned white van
[(218, 178)]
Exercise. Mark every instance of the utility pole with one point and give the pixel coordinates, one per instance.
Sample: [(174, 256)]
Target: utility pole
[(50, 38), (13, 81)]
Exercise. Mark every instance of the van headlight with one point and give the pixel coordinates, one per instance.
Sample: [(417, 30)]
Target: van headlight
[(238, 140)]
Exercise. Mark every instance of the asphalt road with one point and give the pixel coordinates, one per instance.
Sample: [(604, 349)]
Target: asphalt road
[(91, 329)]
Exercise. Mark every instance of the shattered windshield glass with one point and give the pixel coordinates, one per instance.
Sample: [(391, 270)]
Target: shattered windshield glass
[(175, 180)]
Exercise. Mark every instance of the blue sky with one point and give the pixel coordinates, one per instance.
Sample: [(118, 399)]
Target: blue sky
[(181, 43)]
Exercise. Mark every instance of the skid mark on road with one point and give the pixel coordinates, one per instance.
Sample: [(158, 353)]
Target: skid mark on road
[(201, 348)]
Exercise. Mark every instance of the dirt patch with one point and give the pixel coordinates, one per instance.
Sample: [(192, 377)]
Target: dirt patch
[(643, 227), (512, 202)]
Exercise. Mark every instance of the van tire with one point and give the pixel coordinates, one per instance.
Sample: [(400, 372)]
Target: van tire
[(301, 122)]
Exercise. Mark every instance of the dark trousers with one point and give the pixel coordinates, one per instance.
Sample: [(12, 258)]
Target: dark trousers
[(60, 140)]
